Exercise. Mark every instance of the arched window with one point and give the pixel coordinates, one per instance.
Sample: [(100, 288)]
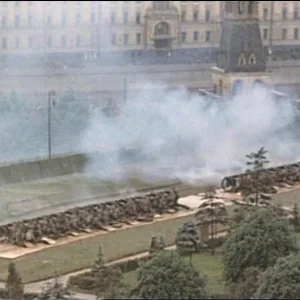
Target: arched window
[(242, 59), (162, 28), (237, 87), (252, 59), (257, 83)]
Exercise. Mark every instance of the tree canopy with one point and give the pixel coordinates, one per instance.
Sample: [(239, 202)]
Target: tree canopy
[(168, 276), (282, 281), (258, 242)]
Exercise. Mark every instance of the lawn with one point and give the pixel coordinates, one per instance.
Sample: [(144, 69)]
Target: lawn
[(209, 265)]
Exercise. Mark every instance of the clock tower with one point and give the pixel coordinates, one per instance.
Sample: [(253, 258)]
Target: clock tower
[(241, 61)]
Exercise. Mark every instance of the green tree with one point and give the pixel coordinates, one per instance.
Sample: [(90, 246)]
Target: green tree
[(99, 272), (115, 286), (156, 245), (14, 286), (257, 160), (187, 239), (282, 281), (211, 212), (54, 290), (248, 284), (258, 242), (168, 276)]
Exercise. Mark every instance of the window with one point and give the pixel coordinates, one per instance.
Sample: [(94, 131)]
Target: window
[(113, 18), (113, 39), (296, 33), (126, 38), (138, 38), (265, 13), (195, 15), (4, 21), (78, 19), (242, 59), (296, 11), (93, 19), (4, 43), (284, 12), (49, 20), (17, 21), (207, 15), (284, 34), (228, 7), (49, 42), (30, 42), (17, 43), (183, 37), (30, 20), (252, 59), (125, 17), (78, 41), (196, 36), (207, 36), (63, 20), (265, 34), (138, 18), (183, 15), (63, 41)]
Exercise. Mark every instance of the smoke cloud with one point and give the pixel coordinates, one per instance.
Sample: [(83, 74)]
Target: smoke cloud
[(187, 137)]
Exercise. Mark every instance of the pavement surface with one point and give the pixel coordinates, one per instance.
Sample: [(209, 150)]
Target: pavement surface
[(46, 196)]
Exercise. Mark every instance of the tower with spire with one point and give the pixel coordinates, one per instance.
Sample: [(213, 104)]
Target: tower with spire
[(241, 60)]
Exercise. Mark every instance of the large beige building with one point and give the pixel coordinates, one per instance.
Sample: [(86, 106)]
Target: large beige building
[(93, 26)]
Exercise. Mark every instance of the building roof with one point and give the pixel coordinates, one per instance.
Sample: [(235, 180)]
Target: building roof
[(241, 37)]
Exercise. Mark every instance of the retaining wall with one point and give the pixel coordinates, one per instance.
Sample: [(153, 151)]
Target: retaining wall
[(34, 170)]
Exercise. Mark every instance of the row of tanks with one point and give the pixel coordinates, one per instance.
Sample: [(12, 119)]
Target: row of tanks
[(270, 179), (90, 217)]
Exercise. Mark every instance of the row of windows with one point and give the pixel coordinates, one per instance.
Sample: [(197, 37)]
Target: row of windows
[(49, 20), (284, 13), (195, 17), (284, 33), (138, 37), (138, 18), (30, 42)]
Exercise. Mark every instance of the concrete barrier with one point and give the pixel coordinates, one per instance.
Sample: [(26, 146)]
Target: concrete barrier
[(61, 166), (5, 175), (44, 168), (25, 172), (77, 163)]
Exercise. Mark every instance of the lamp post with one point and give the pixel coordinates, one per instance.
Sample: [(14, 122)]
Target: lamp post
[(51, 101)]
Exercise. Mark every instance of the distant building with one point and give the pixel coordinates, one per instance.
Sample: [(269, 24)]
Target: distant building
[(38, 27)]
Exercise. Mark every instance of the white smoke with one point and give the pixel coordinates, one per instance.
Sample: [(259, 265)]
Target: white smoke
[(189, 137)]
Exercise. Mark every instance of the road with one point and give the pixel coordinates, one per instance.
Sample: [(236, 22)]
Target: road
[(110, 79)]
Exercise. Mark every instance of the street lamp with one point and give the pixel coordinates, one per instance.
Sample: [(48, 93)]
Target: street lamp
[(51, 101)]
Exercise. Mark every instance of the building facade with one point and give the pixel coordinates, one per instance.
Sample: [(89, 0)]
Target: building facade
[(37, 27)]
